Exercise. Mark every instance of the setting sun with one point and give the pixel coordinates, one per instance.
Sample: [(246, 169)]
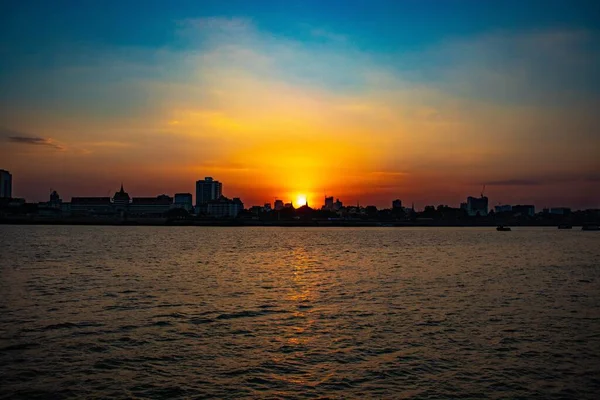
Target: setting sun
[(300, 200)]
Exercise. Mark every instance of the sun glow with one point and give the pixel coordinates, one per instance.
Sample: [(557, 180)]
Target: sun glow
[(300, 200)]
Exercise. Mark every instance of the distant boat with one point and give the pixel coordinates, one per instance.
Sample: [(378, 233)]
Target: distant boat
[(565, 226), (503, 228), (590, 228)]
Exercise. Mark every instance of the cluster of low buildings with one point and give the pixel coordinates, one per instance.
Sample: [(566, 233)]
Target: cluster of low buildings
[(209, 201), (120, 204)]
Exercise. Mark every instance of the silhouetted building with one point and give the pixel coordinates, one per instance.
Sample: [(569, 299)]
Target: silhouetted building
[(328, 203), (559, 211), (477, 206), (524, 210), (278, 205), (224, 207), (55, 199), (267, 207), (337, 205), (397, 203), (207, 190), (150, 206), (288, 205), (92, 206), (5, 184), (183, 200), (121, 200), (52, 207), (256, 210), (503, 208)]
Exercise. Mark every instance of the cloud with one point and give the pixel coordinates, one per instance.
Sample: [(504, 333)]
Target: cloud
[(35, 141), (17, 137)]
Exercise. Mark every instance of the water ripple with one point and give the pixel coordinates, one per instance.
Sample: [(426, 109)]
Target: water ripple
[(141, 312)]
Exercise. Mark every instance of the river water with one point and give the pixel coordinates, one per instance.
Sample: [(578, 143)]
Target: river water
[(200, 312)]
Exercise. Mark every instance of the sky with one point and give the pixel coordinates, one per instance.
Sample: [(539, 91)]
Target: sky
[(367, 101)]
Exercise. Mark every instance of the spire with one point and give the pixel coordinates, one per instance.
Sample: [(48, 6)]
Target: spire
[(122, 191)]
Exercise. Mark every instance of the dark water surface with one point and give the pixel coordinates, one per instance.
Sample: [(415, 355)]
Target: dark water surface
[(151, 312)]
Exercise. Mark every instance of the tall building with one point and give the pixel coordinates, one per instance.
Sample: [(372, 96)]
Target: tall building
[(477, 206), (328, 203), (397, 203), (5, 184), (207, 190)]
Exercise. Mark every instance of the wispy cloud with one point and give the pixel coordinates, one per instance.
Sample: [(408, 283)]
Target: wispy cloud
[(20, 138), (36, 141)]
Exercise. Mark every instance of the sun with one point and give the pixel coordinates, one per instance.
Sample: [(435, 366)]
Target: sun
[(301, 200)]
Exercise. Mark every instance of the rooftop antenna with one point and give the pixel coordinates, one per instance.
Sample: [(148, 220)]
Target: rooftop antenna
[(483, 190)]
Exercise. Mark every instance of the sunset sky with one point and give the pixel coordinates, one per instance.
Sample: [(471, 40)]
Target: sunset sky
[(367, 101)]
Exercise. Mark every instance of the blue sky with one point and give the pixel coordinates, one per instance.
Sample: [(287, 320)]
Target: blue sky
[(380, 26), (407, 92)]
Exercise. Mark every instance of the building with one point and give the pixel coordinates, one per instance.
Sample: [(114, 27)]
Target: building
[(224, 207), (524, 210), (278, 205), (150, 206), (559, 211), (52, 207), (397, 204), (328, 203), (121, 200), (267, 207), (92, 206), (337, 205), (5, 184), (207, 190), (477, 206), (502, 208), (183, 200), (256, 210)]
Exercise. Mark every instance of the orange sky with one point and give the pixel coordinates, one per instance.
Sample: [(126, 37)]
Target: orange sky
[(261, 114)]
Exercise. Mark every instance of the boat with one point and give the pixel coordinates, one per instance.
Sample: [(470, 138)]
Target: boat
[(565, 226), (503, 228), (590, 227)]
